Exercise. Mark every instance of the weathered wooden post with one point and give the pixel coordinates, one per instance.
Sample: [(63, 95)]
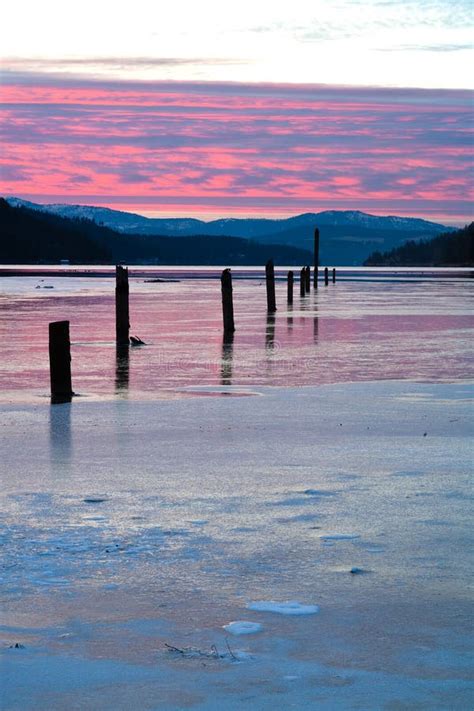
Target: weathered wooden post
[(308, 279), (316, 257), (122, 319), (334, 275), (60, 361), (302, 282), (227, 303), (270, 279), (290, 287), (326, 276)]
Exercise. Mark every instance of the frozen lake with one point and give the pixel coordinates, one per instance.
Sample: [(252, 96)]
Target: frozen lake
[(327, 509), (417, 329)]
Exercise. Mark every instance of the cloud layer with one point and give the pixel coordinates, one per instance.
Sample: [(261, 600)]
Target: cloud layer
[(223, 148)]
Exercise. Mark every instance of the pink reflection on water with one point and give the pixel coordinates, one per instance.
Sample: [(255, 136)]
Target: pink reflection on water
[(346, 332)]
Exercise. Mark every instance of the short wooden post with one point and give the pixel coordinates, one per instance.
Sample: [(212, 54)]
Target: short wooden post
[(326, 276), (60, 361), (308, 279), (316, 257), (290, 287), (334, 275), (227, 302), (122, 319), (302, 282), (270, 280)]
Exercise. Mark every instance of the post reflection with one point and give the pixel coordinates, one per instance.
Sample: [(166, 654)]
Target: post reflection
[(270, 333), (316, 329), (122, 368), (315, 322), (227, 358), (60, 441), (289, 318)]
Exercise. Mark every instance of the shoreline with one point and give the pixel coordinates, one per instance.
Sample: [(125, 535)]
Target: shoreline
[(239, 271)]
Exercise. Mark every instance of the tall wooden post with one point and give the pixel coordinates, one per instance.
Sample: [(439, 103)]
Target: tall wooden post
[(290, 287), (334, 275), (227, 303), (122, 319), (60, 361), (326, 276), (308, 279), (316, 257), (270, 279), (303, 282)]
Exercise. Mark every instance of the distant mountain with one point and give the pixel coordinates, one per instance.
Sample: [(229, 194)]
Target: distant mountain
[(448, 250), (347, 237), (31, 236)]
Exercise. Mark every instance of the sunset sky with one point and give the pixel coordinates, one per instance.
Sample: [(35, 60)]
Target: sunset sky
[(256, 108)]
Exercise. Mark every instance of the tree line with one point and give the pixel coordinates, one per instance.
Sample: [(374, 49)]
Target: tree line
[(447, 250), (33, 237)]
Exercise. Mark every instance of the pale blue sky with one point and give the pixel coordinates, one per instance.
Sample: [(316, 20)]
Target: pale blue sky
[(417, 43)]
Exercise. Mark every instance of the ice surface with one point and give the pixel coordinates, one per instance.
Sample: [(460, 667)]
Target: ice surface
[(289, 607), (243, 627), (205, 510)]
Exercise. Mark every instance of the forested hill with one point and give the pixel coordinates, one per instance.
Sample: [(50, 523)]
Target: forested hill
[(29, 237), (447, 250), (32, 237)]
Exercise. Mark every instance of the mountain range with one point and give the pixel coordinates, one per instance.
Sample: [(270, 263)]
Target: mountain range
[(39, 237), (348, 237)]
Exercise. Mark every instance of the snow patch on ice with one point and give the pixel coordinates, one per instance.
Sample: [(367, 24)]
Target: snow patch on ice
[(289, 607), (243, 627)]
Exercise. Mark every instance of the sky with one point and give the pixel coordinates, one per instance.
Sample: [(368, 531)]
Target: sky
[(258, 108)]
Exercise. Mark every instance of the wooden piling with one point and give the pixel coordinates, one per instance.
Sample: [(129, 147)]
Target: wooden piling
[(290, 287), (60, 361), (334, 275), (326, 276), (308, 279), (303, 282), (270, 281), (227, 303), (122, 319), (316, 257)]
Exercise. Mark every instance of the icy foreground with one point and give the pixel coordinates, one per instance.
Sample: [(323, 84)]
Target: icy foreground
[(134, 533)]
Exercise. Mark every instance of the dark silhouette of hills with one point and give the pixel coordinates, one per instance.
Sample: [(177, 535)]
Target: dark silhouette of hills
[(348, 236), (36, 237), (449, 249), (30, 237)]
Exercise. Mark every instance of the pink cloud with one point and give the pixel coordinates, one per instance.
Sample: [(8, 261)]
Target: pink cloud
[(237, 149)]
